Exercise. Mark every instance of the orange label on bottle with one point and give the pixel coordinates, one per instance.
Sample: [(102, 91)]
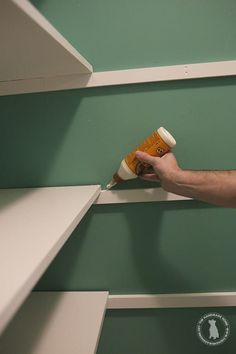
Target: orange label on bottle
[(153, 145)]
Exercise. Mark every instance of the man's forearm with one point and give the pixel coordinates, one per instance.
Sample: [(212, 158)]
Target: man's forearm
[(215, 187)]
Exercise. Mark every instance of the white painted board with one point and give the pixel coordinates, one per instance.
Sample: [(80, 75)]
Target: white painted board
[(31, 47), (151, 301), (137, 196), (56, 323), (120, 77), (34, 225)]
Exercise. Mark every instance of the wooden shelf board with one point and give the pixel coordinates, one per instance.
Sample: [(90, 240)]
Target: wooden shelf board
[(56, 323), (32, 48), (120, 77), (34, 225), (137, 196), (178, 300)]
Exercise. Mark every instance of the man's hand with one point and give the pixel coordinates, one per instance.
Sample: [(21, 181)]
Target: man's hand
[(165, 169), (215, 187)]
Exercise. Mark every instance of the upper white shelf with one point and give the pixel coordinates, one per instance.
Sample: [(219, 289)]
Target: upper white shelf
[(34, 225), (120, 77), (58, 323), (31, 47)]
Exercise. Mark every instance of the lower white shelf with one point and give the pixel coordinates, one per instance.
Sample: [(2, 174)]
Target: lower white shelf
[(34, 225), (137, 196), (56, 323)]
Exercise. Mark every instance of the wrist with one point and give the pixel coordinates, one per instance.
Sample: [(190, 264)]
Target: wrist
[(188, 183), (174, 181), (181, 177)]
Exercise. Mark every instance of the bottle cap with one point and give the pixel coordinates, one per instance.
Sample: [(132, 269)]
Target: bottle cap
[(167, 137)]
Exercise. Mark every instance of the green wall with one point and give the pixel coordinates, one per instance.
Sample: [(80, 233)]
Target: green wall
[(164, 331), (79, 137), (115, 34)]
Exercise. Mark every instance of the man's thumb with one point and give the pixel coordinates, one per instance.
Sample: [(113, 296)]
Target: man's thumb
[(144, 157)]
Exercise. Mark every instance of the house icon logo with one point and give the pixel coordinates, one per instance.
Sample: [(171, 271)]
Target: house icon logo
[(213, 329)]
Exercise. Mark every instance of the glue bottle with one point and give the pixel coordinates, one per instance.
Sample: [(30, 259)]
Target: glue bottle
[(156, 144)]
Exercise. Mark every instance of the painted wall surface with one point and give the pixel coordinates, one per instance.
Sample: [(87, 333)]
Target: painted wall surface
[(122, 34), (166, 331), (79, 137)]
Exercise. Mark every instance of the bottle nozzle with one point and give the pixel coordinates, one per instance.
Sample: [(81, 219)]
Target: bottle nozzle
[(111, 184)]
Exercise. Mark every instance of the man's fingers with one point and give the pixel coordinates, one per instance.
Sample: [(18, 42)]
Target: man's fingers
[(150, 177), (144, 157)]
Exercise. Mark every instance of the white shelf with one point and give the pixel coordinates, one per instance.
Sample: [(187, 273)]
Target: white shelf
[(137, 196), (32, 48), (178, 300), (56, 323), (120, 77), (34, 225)]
